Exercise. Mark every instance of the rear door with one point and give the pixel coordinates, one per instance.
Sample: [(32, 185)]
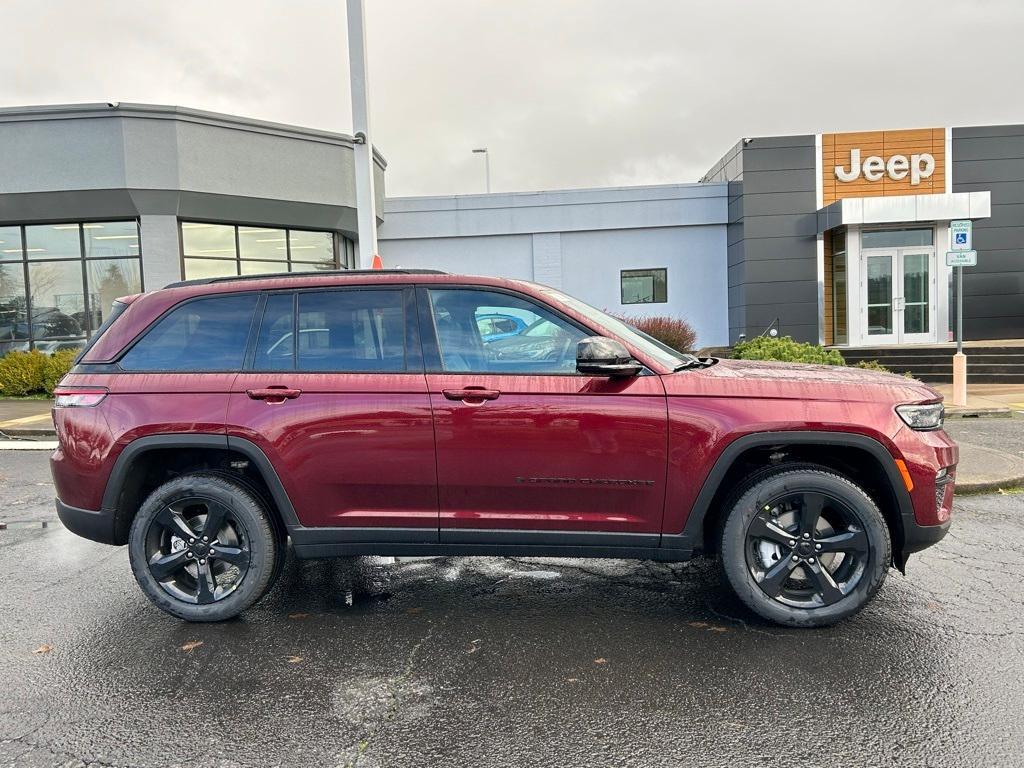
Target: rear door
[(524, 442), (334, 393)]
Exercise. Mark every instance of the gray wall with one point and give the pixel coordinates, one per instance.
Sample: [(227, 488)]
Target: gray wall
[(772, 252), (92, 161), (992, 158), (579, 241)]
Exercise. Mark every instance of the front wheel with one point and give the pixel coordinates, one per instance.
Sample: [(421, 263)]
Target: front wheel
[(203, 548), (804, 547)]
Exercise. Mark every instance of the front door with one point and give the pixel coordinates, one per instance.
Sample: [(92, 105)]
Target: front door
[(898, 295), (526, 443)]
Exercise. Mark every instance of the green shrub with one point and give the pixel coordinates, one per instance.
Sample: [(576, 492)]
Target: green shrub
[(785, 349), (56, 366), (672, 331), (872, 365), (33, 373), (21, 373)]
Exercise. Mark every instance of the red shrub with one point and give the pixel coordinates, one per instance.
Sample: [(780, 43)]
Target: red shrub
[(677, 333)]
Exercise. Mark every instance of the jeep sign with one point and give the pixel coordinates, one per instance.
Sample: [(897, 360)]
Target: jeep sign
[(896, 168)]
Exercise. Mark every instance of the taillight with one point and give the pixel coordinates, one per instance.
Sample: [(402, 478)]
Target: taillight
[(68, 397)]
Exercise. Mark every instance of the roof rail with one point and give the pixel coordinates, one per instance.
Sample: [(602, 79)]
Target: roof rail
[(325, 273)]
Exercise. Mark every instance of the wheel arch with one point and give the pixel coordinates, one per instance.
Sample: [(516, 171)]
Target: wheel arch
[(861, 458), (131, 478)]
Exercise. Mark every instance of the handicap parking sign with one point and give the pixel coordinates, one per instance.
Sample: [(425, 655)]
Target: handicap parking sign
[(961, 234)]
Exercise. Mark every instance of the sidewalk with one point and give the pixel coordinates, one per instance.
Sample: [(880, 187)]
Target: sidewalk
[(985, 399), (990, 458)]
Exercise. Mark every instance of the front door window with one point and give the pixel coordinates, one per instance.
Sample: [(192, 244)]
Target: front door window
[(916, 298), (880, 294)]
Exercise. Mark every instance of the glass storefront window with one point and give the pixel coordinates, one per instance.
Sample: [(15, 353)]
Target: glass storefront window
[(261, 250), (53, 241), (261, 267), (311, 246), (210, 240), (13, 309), (56, 299), (111, 239), (896, 238), (260, 243), (198, 269), (107, 280), (839, 327), (10, 244), (63, 303)]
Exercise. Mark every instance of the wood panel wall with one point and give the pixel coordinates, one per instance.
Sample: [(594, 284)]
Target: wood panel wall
[(835, 150)]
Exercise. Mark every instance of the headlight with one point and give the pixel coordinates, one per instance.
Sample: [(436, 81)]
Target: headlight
[(922, 417)]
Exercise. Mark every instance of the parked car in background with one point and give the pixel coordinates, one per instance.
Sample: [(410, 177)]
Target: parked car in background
[(352, 413), (493, 326)]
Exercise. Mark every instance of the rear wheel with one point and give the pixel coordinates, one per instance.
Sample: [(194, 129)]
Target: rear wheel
[(203, 548), (804, 547)]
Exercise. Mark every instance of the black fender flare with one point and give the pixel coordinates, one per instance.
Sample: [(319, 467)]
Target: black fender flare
[(139, 446), (692, 535)]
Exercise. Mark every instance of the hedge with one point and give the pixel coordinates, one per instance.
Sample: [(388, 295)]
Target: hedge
[(784, 348), (33, 373)]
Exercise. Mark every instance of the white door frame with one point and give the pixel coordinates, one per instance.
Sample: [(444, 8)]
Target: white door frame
[(898, 300), (856, 292)]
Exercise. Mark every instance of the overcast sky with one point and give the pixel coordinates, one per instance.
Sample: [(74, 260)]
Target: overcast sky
[(564, 93)]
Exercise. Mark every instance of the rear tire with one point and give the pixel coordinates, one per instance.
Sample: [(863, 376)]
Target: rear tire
[(196, 579), (804, 547)]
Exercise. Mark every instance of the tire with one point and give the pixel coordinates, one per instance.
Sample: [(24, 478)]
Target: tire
[(795, 572), (240, 561), (276, 524)]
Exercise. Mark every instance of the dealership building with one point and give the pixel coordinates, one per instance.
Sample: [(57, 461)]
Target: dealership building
[(837, 239)]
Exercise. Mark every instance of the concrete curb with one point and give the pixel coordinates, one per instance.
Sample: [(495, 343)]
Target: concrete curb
[(983, 413), (977, 489), (42, 432)]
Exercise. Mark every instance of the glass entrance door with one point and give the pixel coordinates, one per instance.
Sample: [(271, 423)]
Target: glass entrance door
[(898, 295)]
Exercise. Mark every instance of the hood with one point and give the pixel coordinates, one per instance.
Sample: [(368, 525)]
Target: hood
[(765, 378)]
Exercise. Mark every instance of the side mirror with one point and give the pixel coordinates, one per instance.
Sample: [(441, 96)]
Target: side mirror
[(600, 356)]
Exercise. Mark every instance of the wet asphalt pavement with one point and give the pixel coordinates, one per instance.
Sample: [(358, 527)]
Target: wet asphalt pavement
[(503, 662)]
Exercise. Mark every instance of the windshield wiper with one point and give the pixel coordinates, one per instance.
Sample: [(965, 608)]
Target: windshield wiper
[(696, 362)]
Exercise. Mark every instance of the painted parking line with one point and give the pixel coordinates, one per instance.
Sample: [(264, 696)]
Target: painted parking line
[(24, 420), (28, 445)]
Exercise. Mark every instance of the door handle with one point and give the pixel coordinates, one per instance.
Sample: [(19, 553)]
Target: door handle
[(471, 394), (273, 394)]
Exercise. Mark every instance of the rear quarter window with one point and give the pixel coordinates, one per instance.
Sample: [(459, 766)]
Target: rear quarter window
[(208, 334)]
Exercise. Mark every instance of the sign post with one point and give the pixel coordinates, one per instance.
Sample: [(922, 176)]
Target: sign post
[(961, 255)]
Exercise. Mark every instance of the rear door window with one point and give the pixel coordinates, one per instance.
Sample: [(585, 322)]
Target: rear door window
[(208, 334), (341, 331)]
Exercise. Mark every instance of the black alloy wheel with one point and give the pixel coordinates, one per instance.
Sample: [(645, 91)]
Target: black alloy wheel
[(197, 550), (806, 549), (803, 546), (205, 547)]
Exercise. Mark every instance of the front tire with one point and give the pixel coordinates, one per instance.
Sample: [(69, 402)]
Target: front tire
[(203, 548), (804, 547)]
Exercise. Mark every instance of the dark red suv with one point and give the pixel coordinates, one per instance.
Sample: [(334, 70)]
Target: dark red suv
[(378, 413)]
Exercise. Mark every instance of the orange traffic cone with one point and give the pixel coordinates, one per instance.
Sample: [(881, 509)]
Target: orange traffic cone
[(377, 262)]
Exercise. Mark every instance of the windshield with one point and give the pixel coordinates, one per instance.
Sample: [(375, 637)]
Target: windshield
[(664, 354)]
